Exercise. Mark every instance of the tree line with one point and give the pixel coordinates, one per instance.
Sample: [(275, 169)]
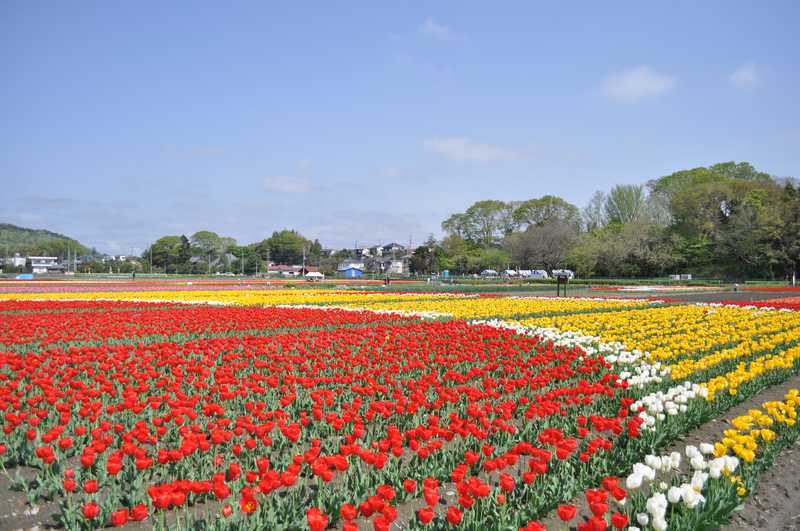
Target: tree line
[(207, 252), (727, 220)]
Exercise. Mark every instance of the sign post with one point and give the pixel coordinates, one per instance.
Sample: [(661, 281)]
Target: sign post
[(561, 280)]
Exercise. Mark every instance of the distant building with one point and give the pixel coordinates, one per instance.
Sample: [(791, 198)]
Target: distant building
[(388, 265), (358, 264), (17, 260), (394, 250), (290, 270), (44, 264), (351, 272), (351, 268)]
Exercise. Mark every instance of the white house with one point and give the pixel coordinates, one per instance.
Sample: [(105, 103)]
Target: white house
[(45, 264), (16, 260)]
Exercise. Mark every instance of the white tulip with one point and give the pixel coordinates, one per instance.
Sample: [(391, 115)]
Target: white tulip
[(715, 467), (706, 448), (698, 462), (690, 496), (660, 524), (731, 463), (652, 461), (634, 481), (699, 480), (656, 505)]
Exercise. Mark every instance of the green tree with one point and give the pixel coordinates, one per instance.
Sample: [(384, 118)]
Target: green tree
[(545, 244), (789, 242), (285, 247), (593, 214), (545, 209), (166, 253), (485, 222), (625, 203)]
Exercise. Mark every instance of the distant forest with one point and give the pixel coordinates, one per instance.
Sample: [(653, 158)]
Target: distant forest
[(37, 242), (727, 220)]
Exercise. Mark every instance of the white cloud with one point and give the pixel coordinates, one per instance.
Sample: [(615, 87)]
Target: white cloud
[(636, 85), (465, 149), (287, 185), (746, 76), (434, 29)]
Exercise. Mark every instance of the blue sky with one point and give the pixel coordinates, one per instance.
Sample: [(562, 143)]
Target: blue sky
[(372, 121)]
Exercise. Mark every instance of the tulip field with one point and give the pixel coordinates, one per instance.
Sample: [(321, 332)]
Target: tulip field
[(324, 409)]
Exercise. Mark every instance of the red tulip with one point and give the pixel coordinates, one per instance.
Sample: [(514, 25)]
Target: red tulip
[(139, 512), (90, 510), (317, 521), (619, 520), (425, 515), (348, 511), (507, 482), (453, 515), (248, 504), (567, 512), (119, 518), (598, 509)]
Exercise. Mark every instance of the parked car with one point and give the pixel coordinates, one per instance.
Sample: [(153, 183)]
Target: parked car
[(488, 273), (539, 274)]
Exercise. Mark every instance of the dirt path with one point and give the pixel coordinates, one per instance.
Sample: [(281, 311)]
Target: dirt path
[(775, 503)]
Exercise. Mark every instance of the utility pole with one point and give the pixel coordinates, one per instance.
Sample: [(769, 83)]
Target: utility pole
[(303, 270), (150, 254), (242, 261)]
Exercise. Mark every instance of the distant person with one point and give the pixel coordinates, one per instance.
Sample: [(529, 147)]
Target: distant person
[(134, 275)]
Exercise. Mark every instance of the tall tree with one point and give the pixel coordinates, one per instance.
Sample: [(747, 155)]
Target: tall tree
[(485, 222), (543, 245), (166, 253), (284, 247), (209, 243), (625, 203), (542, 210), (593, 214)]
